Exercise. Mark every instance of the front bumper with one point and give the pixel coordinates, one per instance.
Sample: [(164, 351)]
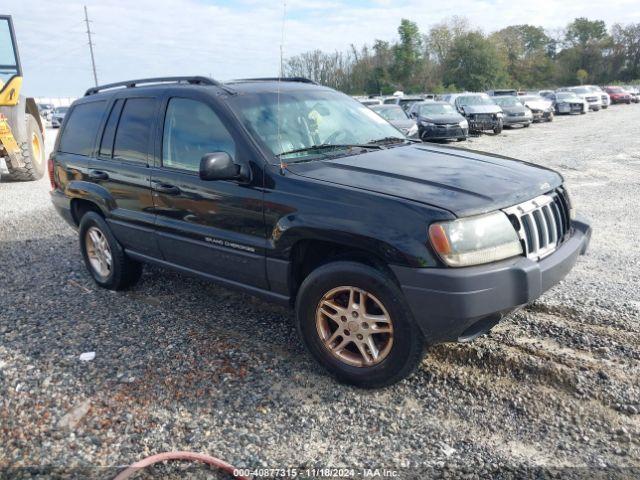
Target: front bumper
[(450, 304), (517, 120), (541, 115), (443, 132)]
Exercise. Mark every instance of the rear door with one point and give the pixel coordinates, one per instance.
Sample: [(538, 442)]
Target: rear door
[(122, 167), (212, 227)]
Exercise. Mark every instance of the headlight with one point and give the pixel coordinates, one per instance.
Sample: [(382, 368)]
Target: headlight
[(499, 115), (412, 131), (424, 123), (464, 124), (475, 240)]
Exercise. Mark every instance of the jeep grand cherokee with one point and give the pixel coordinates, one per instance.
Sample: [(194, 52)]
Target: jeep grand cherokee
[(300, 194)]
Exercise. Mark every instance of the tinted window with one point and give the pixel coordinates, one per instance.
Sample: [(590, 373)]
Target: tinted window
[(106, 146), (134, 129), (81, 128), (192, 129)]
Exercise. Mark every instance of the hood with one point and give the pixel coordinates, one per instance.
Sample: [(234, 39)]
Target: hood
[(473, 109), (515, 109), (461, 181), (442, 119), (403, 124), (538, 104)]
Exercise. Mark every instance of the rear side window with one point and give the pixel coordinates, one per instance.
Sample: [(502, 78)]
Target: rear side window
[(81, 128), (134, 130), (106, 146), (192, 129)]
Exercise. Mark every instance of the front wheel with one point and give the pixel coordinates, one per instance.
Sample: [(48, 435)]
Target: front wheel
[(354, 321), (497, 130)]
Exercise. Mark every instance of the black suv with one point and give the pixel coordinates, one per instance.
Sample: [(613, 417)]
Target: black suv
[(297, 193)]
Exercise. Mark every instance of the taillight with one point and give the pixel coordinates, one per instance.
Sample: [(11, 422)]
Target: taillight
[(52, 177)]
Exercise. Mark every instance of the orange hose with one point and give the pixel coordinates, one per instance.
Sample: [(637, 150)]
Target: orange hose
[(189, 456)]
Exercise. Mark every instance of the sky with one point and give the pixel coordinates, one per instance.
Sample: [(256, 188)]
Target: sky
[(235, 39)]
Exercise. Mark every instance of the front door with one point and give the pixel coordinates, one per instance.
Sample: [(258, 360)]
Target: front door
[(211, 227)]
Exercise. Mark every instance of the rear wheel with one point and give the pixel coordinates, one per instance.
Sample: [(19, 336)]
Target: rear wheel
[(354, 320), (104, 257), (31, 154)]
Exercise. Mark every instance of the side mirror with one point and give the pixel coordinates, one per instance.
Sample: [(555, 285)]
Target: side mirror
[(218, 166)]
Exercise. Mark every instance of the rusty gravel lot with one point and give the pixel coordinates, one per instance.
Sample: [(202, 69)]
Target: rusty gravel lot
[(185, 365)]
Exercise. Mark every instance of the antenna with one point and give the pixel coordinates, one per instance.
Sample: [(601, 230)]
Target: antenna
[(93, 60), (284, 19)]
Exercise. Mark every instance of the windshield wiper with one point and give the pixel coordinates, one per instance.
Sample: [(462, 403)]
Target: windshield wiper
[(327, 146), (387, 141)]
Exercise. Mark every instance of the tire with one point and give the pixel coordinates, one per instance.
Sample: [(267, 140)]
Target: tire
[(550, 119), (498, 130), (124, 272), (31, 154), (462, 139), (396, 360), (526, 125)]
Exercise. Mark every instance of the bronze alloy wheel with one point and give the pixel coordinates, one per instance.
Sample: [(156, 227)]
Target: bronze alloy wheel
[(354, 326), (98, 252)]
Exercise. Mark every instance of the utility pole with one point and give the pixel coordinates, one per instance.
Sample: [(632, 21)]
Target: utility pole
[(93, 60)]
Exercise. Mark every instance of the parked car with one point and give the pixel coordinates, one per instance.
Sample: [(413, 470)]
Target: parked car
[(634, 92), (618, 94), (502, 92), (594, 100), (370, 101), (439, 121), (45, 109), (404, 101), (568, 102), (515, 113), (541, 108), (604, 96), (303, 196), (480, 111), (396, 116), (548, 94), (58, 116)]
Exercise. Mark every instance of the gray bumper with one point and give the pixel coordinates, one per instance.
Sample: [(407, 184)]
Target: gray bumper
[(452, 303)]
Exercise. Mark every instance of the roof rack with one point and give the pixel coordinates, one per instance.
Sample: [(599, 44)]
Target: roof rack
[(275, 79), (134, 83)]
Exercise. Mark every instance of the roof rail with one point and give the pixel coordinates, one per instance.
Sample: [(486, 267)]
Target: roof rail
[(275, 79), (134, 83)]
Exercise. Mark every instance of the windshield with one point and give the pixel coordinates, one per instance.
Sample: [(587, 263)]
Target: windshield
[(436, 109), (507, 101), (308, 118), (615, 90), (61, 109), (390, 113), (474, 100), (530, 98), (567, 96), (580, 90)]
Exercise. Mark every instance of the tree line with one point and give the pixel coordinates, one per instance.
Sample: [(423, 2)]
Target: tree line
[(453, 55)]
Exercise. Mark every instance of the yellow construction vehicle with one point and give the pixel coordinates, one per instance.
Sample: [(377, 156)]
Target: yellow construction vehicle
[(21, 130)]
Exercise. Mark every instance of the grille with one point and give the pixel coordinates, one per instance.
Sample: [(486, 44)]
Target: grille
[(542, 223), (484, 117), (592, 99)]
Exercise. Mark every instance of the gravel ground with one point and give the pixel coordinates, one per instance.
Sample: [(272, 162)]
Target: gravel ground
[(185, 365)]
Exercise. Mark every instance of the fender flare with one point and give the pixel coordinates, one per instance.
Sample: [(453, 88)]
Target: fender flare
[(91, 192)]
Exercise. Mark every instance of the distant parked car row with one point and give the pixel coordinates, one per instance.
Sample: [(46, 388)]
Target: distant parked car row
[(54, 115), (453, 116)]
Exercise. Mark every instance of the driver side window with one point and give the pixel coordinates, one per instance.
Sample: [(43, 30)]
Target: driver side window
[(192, 129)]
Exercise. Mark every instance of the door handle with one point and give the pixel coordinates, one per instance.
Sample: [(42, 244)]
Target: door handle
[(98, 175), (165, 188)]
